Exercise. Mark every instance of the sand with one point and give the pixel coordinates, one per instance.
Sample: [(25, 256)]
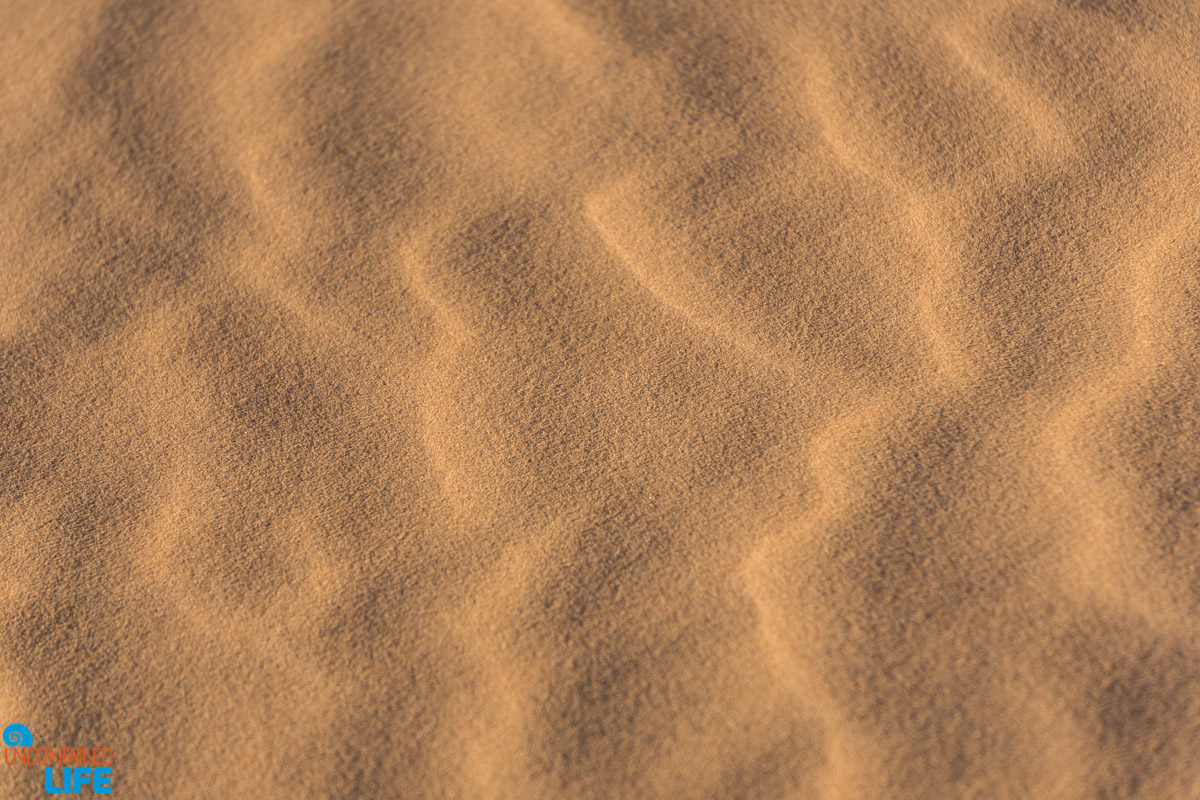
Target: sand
[(602, 398)]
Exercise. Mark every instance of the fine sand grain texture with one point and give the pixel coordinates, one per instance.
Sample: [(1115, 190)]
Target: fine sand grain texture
[(608, 399)]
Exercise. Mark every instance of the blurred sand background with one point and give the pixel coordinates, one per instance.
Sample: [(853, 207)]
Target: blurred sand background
[(603, 398)]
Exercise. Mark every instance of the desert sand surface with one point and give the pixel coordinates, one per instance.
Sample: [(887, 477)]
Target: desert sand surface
[(503, 399)]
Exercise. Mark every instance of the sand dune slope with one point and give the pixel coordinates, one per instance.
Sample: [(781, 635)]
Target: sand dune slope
[(602, 398)]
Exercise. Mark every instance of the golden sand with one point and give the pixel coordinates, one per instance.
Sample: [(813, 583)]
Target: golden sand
[(602, 398)]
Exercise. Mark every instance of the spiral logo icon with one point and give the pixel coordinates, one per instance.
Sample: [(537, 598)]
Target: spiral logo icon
[(18, 736)]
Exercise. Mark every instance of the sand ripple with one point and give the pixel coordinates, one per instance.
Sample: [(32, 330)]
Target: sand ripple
[(467, 399)]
